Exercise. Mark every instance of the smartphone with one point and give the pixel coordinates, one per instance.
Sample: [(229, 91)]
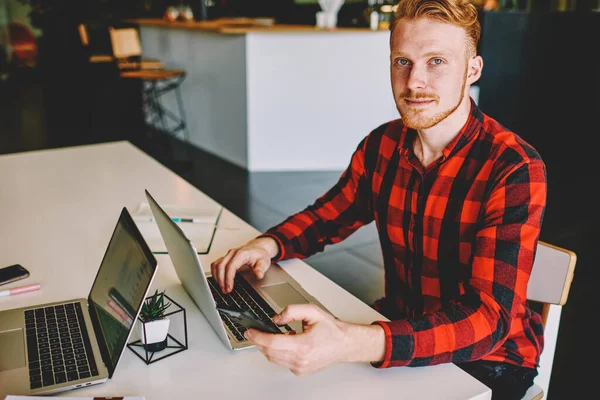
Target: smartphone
[(246, 319), (12, 273)]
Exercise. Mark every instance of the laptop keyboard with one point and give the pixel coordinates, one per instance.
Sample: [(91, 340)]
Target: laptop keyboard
[(245, 297), (58, 346)]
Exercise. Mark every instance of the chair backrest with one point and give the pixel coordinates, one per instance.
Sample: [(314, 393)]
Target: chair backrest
[(83, 34), (95, 41), (549, 286), (551, 277), (125, 42)]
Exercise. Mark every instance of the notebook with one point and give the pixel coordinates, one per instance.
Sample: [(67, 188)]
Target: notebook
[(198, 224), (55, 347), (265, 298)]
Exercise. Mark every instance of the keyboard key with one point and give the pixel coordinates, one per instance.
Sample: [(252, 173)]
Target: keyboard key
[(60, 377), (35, 385), (47, 378), (72, 376)]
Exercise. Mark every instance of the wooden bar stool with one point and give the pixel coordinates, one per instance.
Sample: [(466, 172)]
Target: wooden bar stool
[(156, 82)]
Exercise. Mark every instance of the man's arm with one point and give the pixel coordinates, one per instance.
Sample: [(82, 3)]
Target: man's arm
[(333, 217)]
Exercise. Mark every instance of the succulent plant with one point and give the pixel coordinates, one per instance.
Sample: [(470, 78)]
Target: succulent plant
[(154, 307)]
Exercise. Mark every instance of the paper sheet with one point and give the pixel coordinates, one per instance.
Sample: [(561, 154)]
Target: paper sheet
[(13, 397), (200, 234), (199, 227)]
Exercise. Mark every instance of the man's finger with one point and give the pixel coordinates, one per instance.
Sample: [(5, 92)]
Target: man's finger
[(308, 313), (261, 267), (220, 269), (271, 340), (237, 261), (214, 266)]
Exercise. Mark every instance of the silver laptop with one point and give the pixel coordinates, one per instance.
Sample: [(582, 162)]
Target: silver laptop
[(54, 347), (266, 297)]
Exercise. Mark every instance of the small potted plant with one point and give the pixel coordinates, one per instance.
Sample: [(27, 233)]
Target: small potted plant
[(154, 328)]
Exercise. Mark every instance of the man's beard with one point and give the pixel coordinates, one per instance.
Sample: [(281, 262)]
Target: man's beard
[(412, 121)]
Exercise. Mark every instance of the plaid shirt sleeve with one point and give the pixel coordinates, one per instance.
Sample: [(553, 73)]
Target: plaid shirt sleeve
[(332, 218)]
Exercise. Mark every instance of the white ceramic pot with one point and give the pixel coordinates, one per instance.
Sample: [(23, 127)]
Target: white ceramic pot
[(156, 331)]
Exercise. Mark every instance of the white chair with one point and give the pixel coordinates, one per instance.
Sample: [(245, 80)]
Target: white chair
[(549, 286)]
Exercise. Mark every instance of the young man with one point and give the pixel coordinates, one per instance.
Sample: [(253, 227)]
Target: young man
[(458, 201)]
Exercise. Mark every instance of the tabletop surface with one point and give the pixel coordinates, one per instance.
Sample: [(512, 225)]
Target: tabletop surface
[(59, 208)]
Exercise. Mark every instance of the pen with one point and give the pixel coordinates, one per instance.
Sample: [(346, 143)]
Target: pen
[(18, 290), (190, 220)]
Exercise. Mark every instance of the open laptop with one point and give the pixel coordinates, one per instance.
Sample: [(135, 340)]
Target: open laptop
[(265, 298), (54, 347)]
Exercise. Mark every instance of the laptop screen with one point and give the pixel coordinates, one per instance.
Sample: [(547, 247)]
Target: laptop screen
[(121, 285)]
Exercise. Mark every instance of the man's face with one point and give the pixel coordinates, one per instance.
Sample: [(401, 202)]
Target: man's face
[(429, 65)]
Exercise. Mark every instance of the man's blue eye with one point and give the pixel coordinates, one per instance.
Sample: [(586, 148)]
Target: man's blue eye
[(438, 61), (403, 62)]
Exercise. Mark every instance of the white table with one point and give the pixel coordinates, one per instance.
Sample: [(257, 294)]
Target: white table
[(57, 211)]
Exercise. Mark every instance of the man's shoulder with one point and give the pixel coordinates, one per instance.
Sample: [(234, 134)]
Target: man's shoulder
[(504, 140), (390, 129)]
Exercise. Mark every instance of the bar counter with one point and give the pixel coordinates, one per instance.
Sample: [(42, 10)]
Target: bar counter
[(238, 26), (281, 97)]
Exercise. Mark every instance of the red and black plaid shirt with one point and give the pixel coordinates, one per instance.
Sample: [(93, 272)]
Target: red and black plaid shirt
[(458, 240)]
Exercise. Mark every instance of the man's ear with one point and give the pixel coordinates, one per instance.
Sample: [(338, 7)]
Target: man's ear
[(474, 69)]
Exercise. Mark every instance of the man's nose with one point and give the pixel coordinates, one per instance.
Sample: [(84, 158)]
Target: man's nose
[(417, 78)]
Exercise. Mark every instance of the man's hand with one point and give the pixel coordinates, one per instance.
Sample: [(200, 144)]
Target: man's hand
[(324, 341), (256, 254)]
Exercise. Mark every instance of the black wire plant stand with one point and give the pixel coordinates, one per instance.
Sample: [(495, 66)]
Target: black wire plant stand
[(173, 346)]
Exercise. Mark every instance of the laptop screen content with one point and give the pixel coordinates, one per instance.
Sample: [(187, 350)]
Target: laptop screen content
[(120, 286)]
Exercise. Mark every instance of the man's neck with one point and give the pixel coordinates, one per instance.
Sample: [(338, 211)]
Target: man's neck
[(430, 142)]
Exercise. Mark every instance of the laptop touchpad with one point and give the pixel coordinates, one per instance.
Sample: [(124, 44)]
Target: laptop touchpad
[(13, 350), (284, 294)]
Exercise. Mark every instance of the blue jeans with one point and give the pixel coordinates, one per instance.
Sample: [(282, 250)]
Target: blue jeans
[(507, 381)]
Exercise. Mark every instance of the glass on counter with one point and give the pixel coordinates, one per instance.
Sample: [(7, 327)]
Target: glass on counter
[(182, 12), (185, 13), (171, 14)]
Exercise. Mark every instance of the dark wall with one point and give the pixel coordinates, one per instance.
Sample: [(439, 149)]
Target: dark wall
[(539, 79)]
